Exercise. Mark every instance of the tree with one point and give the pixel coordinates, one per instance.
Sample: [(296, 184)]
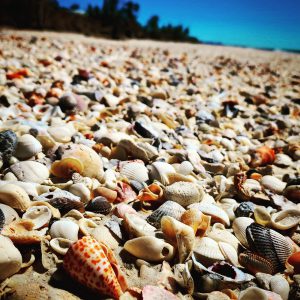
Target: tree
[(74, 6)]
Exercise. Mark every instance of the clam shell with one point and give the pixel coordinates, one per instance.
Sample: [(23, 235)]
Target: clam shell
[(160, 170), (30, 171), (61, 245), (27, 147), (66, 167), (136, 226), (230, 253), (7, 215), (80, 190), (133, 170), (280, 286), (184, 193), (169, 208), (257, 293), (64, 229), (239, 226), (207, 251), (217, 214), (273, 183), (285, 219), (64, 205), (39, 215), (99, 205), (14, 196), (150, 248), (10, 258)]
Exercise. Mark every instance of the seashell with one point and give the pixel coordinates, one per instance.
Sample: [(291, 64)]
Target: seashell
[(27, 147), (153, 192), (86, 226), (66, 167), (293, 262), (55, 212), (125, 193), (64, 205), (30, 171), (239, 226), (220, 234), (150, 292), (150, 248), (134, 170), (110, 179), (61, 245), (262, 215), (217, 214), (257, 293), (280, 286), (7, 215), (255, 263), (39, 215), (103, 235), (292, 192), (268, 244), (21, 232), (94, 265), (56, 194), (245, 209), (230, 253), (169, 208), (229, 206), (180, 235), (14, 196), (80, 190), (62, 133), (285, 219), (10, 258), (122, 208), (73, 215), (197, 220), (184, 193), (99, 205), (263, 156), (108, 194), (64, 228), (8, 142), (207, 251), (273, 184), (282, 160), (136, 226), (185, 168), (114, 224), (159, 171)]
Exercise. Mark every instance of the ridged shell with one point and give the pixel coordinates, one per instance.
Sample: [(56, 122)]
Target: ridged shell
[(217, 214), (99, 205), (207, 251), (285, 219), (255, 263), (150, 248), (134, 171), (229, 253), (64, 205), (64, 229), (27, 146), (169, 208), (280, 286), (239, 226), (268, 244), (39, 215), (136, 226), (184, 193), (160, 170), (61, 245), (7, 215)]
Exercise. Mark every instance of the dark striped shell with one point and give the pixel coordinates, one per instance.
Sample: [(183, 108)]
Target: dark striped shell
[(255, 263), (2, 219), (99, 205), (64, 205), (269, 244)]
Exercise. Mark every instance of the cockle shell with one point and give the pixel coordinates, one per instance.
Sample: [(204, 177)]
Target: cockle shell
[(153, 192), (150, 248), (64, 228), (230, 253), (14, 196), (239, 226), (197, 220), (27, 147), (217, 214), (184, 193), (180, 235), (9, 215), (61, 245), (280, 286), (136, 226), (99, 205), (10, 258), (30, 171), (94, 265), (207, 251), (134, 170), (39, 215), (169, 208), (285, 219), (160, 170)]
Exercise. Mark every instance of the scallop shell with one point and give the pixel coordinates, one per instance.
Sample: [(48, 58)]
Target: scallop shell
[(14, 196), (39, 215), (207, 251), (64, 205), (136, 226), (30, 171), (134, 170), (239, 226), (217, 214), (255, 263), (64, 228), (230, 253), (7, 215), (180, 235), (99, 205), (184, 193), (150, 248), (285, 219), (160, 170), (66, 167), (169, 208), (27, 147), (61, 245)]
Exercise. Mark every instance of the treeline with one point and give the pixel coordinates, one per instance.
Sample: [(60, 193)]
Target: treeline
[(113, 20)]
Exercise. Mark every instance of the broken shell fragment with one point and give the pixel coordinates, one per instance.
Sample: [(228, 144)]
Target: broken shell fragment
[(39, 215), (285, 219), (153, 192), (61, 245), (66, 167), (136, 226)]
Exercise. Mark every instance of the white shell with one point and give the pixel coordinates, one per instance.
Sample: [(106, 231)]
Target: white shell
[(61, 245), (64, 229), (285, 219), (27, 147), (56, 194), (39, 215), (273, 183), (80, 190), (239, 226), (136, 226), (280, 286), (160, 170), (252, 293), (229, 253), (185, 168), (135, 171), (10, 214)]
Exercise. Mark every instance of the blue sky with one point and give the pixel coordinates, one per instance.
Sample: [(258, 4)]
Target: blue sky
[(256, 23)]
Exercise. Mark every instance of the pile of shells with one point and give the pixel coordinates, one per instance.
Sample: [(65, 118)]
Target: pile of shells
[(134, 172)]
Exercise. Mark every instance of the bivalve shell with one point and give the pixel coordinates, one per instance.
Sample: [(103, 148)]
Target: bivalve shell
[(239, 227), (64, 229), (230, 253), (99, 205), (64, 205), (273, 183), (39, 215), (160, 171), (285, 219), (27, 147), (9, 215), (134, 170), (136, 226)]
